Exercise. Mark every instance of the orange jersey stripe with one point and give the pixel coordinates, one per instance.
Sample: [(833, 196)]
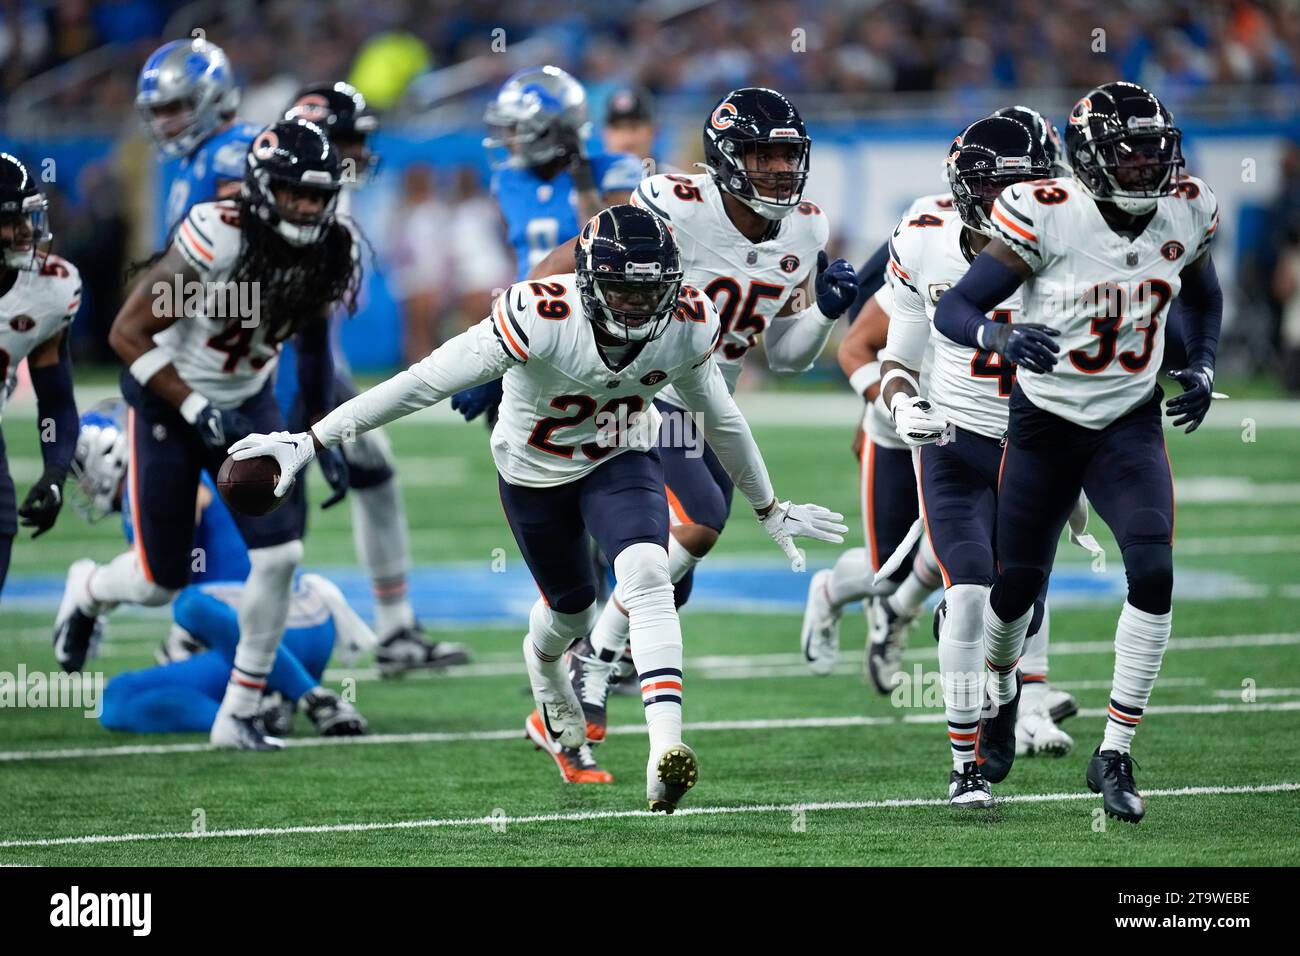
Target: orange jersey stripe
[(191, 240), (504, 326), (1013, 227)]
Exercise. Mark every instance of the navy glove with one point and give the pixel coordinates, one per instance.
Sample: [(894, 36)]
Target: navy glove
[(473, 402), (1030, 346), (42, 504), (836, 286), (221, 428), (335, 469), (1192, 405)]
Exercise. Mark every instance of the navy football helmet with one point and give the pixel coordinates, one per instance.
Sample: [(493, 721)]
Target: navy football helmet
[(1123, 146), (629, 274), (985, 159), (742, 132), (24, 222), (341, 111), (1045, 131), (298, 155)]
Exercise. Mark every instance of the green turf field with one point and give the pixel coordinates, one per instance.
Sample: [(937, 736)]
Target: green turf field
[(794, 769)]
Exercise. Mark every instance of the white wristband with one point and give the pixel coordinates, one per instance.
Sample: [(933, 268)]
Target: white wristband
[(192, 406), (866, 376), (149, 364), (902, 373)]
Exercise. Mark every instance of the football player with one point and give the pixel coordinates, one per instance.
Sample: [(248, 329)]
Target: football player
[(1100, 255), (210, 622), (379, 527), (39, 297), (198, 377), (756, 249), (187, 96), (887, 483), (966, 413), (547, 185), (583, 355)]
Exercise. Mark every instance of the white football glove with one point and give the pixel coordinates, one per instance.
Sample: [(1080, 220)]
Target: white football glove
[(915, 420), (294, 452), (785, 522)]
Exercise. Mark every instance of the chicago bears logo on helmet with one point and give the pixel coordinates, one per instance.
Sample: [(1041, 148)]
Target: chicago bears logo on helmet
[(1082, 110), (312, 107), (265, 145), (653, 378), (789, 263), (22, 323), (724, 117), (1172, 250)]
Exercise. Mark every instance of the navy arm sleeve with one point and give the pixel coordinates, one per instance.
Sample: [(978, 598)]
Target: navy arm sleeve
[(1200, 305), (56, 403), (316, 370), (963, 310), (870, 278)]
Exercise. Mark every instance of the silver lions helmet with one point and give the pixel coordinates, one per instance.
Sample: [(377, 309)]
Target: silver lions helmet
[(99, 464), (536, 115), (185, 92)]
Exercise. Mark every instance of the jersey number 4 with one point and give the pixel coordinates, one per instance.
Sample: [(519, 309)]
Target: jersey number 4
[(986, 364)]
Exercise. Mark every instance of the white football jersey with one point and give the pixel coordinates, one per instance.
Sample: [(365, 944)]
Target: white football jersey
[(564, 409), (222, 351), (38, 306), (968, 387), (1107, 295), (748, 282), (877, 422)]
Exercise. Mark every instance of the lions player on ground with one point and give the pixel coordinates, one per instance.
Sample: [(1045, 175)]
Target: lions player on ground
[(198, 376), (584, 355), (187, 96), (966, 414), (1100, 256), (547, 185), (756, 248), (39, 297)]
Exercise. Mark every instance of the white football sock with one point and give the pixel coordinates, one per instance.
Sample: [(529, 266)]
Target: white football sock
[(549, 635), (961, 667), (1140, 642), (923, 581), (263, 610), (850, 579), (610, 635), (656, 635), (1033, 664), (121, 581), (1003, 641), (384, 549)]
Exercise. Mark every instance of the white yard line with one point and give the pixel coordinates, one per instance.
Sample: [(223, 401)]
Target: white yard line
[(791, 723), (500, 820)]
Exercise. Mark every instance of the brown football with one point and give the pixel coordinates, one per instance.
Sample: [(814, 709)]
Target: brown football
[(248, 486)]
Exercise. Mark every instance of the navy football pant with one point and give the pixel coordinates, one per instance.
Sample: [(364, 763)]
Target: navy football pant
[(618, 503), (1124, 469), (8, 512), (166, 456)]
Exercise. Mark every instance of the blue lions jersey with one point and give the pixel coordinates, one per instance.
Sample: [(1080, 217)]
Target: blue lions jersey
[(542, 213), (225, 557), (193, 179)]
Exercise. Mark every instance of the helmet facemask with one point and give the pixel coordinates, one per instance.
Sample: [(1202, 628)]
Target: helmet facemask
[(297, 229), (974, 191), (1133, 169), (633, 307), (24, 232), (772, 193)]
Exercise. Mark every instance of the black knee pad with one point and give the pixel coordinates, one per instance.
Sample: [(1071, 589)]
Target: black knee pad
[(1015, 591), (1150, 572), (682, 589), (575, 601)]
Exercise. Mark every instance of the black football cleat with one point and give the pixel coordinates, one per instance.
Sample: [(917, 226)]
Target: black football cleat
[(409, 650), (332, 715), (995, 742), (968, 789), (1110, 773)]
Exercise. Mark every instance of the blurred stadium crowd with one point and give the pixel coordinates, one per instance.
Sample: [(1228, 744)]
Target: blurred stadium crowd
[(72, 65)]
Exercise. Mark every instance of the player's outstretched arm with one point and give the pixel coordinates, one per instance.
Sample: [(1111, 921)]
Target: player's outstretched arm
[(797, 336), (962, 313), (51, 368), (471, 358), (725, 429), (1201, 302)]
